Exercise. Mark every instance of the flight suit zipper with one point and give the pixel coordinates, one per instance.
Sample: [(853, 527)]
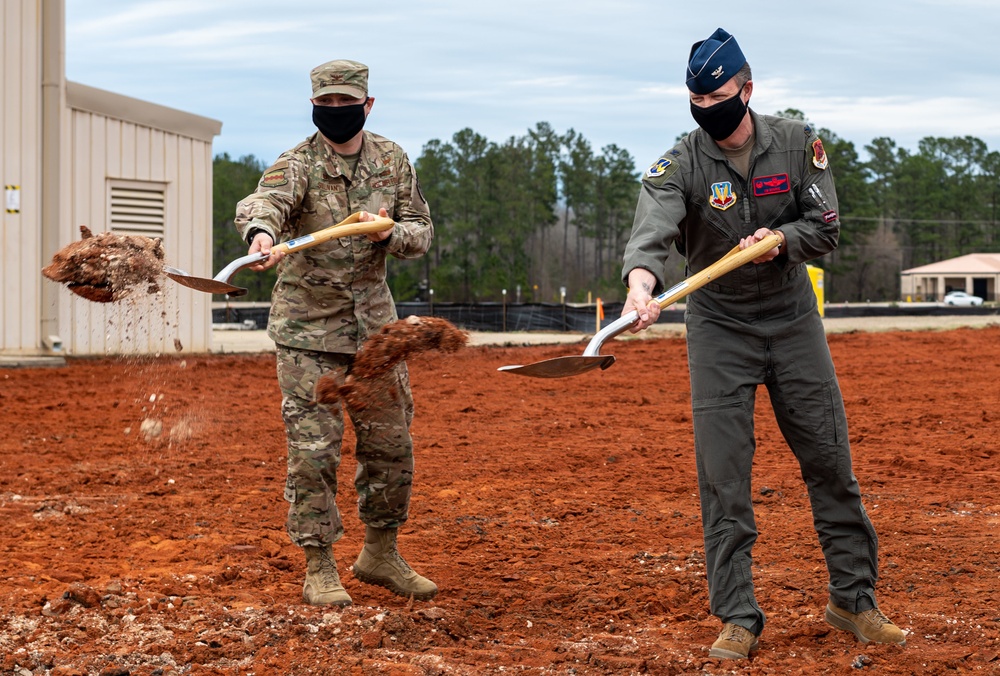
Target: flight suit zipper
[(749, 229)]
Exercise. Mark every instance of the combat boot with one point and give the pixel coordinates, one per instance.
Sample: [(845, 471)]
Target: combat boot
[(868, 625), (734, 643), (380, 563), (322, 586)]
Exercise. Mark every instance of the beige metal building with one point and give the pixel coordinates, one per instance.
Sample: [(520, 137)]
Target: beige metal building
[(978, 274), (75, 155)]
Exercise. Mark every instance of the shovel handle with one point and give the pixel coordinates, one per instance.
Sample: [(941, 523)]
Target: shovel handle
[(732, 260), (347, 227)]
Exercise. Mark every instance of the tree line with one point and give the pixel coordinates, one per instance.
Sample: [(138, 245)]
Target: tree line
[(544, 217)]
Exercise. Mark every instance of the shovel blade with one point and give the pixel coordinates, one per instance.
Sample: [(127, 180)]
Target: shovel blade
[(561, 367), (203, 283)]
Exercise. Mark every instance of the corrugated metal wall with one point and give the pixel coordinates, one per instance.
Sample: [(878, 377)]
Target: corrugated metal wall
[(99, 150), (63, 145), (20, 148)]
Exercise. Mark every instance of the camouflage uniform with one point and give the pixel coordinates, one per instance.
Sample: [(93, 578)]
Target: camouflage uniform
[(758, 325), (327, 301)]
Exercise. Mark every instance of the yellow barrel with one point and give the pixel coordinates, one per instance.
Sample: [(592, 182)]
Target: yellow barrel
[(816, 276)]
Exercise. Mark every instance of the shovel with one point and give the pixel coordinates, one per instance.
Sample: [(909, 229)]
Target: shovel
[(562, 367), (220, 283)]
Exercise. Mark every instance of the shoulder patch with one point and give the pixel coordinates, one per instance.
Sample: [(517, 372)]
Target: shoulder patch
[(658, 168), (660, 171), (820, 160), (273, 178)]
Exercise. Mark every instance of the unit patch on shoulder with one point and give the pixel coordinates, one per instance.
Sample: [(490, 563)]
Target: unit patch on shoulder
[(722, 196), (820, 160), (770, 185), (660, 171), (659, 166), (273, 178)]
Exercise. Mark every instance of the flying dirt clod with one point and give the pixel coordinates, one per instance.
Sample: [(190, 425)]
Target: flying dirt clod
[(366, 384), (108, 267)]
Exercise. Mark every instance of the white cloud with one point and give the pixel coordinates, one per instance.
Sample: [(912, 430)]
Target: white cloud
[(612, 70)]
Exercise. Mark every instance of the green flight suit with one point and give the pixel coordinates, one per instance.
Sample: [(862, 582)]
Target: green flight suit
[(758, 324)]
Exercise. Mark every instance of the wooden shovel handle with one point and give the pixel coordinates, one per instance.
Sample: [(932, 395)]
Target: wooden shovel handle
[(732, 260), (347, 227)]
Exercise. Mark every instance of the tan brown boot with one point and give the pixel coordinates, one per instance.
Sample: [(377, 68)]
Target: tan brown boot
[(380, 563), (734, 643), (322, 586), (868, 625)]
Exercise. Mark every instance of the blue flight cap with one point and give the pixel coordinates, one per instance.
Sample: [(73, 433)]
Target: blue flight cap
[(713, 62)]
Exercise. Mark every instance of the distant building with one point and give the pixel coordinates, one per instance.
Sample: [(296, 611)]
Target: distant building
[(978, 274), (74, 155)]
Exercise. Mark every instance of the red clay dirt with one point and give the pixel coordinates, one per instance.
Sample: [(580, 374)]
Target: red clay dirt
[(142, 520), (108, 267), (368, 384)]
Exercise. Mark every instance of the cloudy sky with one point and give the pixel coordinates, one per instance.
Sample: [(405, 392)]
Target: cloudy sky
[(613, 70)]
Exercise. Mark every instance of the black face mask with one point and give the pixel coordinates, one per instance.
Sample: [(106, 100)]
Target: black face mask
[(722, 119), (339, 123)]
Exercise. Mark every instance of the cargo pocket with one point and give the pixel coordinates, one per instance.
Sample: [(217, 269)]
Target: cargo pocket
[(405, 395), (835, 426)]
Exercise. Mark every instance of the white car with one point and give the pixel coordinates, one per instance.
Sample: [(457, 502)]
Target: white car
[(961, 298)]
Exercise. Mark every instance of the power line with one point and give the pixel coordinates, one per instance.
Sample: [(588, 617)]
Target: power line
[(893, 219)]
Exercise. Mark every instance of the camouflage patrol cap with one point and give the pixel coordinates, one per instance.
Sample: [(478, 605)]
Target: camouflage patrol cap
[(340, 77), (713, 62)]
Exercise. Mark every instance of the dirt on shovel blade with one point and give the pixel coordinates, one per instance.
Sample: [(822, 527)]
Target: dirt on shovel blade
[(108, 267), (367, 383)]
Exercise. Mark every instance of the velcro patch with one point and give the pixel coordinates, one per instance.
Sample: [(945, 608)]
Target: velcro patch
[(273, 178), (658, 167), (829, 216), (392, 180), (723, 196), (820, 160), (660, 171), (770, 185)]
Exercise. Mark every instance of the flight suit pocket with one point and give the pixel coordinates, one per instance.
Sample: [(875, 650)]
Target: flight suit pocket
[(835, 426), (776, 209), (716, 218), (723, 428)]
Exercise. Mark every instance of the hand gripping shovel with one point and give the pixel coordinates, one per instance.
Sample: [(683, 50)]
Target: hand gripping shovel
[(561, 367), (220, 283)]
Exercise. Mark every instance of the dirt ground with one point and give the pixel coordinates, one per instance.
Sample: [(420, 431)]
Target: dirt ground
[(141, 520)]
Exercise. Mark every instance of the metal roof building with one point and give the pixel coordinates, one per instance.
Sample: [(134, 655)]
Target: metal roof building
[(75, 155), (978, 274)]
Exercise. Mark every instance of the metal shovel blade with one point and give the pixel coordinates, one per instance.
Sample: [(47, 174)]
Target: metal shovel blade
[(561, 367), (218, 284), (203, 284)]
